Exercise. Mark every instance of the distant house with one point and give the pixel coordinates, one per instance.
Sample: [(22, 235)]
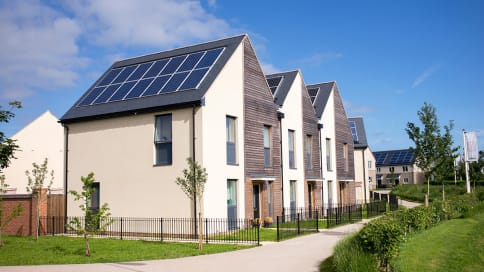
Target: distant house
[(40, 139), (336, 142), (394, 167), (365, 169), (140, 121), (300, 154)]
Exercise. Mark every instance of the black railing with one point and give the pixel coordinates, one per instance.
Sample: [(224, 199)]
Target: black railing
[(344, 214), (297, 221), (377, 207), (164, 229)]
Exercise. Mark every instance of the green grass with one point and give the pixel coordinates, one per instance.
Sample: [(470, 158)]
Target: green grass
[(68, 250), (416, 192), (455, 245)]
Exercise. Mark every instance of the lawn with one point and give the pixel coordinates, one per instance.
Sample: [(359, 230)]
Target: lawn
[(417, 192), (456, 245), (64, 250)]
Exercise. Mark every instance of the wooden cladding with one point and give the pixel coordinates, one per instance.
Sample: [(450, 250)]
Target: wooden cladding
[(310, 127)]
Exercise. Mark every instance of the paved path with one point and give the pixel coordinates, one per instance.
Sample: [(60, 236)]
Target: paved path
[(302, 254)]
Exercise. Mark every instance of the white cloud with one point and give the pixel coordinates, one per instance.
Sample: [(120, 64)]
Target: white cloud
[(425, 74), (160, 23), (38, 49), (212, 3), (268, 68), (320, 58), (354, 109)]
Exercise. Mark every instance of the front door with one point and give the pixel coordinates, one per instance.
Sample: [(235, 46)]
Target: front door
[(256, 200)]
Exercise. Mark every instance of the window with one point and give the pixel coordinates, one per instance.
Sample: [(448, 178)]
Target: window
[(163, 139), (405, 180), (378, 169), (392, 169), (232, 203), (328, 154), (290, 140), (345, 156), (405, 168), (230, 123), (369, 164), (267, 146), (292, 195), (95, 199), (308, 153)]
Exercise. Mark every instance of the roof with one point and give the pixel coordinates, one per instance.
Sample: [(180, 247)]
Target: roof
[(173, 78), (280, 84), (319, 94), (394, 157), (358, 131)]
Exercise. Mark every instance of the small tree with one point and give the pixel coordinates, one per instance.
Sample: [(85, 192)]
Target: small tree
[(193, 185), (17, 211), (94, 222), (39, 179), (433, 150)]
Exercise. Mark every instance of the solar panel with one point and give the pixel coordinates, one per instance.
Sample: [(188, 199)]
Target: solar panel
[(313, 92), (401, 157), (273, 83), (183, 72), (380, 157), (354, 132)]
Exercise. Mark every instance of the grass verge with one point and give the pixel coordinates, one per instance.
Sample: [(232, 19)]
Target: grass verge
[(416, 192), (68, 250), (455, 245)]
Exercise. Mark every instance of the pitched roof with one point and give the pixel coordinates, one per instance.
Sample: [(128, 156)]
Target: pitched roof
[(358, 131), (394, 157), (319, 94), (172, 78), (280, 84)]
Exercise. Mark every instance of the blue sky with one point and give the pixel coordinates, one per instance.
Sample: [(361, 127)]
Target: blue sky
[(388, 57)]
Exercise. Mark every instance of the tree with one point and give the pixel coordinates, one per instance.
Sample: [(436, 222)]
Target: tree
[(36, 183), (193, 185), (94, 222), (476, 168), (433, 151), (7, 145), (17, 211)]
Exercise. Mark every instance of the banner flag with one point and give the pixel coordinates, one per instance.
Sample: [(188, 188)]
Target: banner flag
[(470, 144)]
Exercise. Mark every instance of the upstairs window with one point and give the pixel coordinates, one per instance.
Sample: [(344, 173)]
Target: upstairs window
[(230, 123), (163, 139), (291, 142), (308, 151), (329, 166), (267, 146), (345, 156)]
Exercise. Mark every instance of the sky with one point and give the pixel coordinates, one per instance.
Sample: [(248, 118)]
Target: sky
[(387, 57)]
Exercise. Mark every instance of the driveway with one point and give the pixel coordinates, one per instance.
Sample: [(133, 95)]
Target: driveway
[(302, 254)]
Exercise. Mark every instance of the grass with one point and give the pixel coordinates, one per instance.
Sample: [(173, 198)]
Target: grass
[(416, 192), (69, 250), (455, 245)]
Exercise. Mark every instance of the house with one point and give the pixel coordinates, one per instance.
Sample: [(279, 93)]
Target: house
[(365, 169), (394, 167), (300, 151), (139, 122), (42, 138), (336, 142)]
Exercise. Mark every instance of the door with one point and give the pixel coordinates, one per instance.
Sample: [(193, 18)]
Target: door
[(232, 203), (256, 200)]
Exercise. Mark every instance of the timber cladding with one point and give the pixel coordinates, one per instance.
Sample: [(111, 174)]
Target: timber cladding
[(259, 111), (343, 136), (310, 127)]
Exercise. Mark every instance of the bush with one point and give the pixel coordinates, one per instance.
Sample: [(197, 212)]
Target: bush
[(349, 256)]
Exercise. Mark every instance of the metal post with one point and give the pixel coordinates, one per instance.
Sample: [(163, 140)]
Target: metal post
[(161, 229), (468, 183), (121, 232), (298, 220), (277, 227)]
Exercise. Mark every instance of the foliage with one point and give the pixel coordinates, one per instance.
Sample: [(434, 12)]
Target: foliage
[(350, 257), (193, 185), (416, 192), (36, 181), (7, 145), (95, 221), (70, 250), (17, 210), (433, 150)]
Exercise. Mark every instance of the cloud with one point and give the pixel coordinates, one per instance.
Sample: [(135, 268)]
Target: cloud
[(212, 3), (354, 109), (268, 68), (159, 23), (38, 49), (425, 74), (320, 58)]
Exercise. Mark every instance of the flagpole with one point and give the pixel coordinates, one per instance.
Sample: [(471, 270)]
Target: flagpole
[(466, 161)]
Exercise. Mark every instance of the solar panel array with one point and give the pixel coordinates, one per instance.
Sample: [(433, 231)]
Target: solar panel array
[(380, 157), (273, 83), (354, 132), (183, 72), (401, 157), (313, 92)]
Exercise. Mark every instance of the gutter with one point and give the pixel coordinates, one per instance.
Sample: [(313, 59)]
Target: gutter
[(280, 116)]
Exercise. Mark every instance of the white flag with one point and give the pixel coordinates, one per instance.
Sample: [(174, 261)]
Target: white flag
[(470, 144)]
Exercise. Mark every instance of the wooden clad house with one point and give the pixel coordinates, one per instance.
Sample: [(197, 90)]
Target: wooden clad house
[(336, 142)]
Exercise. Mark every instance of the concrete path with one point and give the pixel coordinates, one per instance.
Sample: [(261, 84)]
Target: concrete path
[(302, 254)]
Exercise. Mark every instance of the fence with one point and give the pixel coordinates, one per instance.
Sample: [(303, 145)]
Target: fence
[(344, 214), (164, 229)]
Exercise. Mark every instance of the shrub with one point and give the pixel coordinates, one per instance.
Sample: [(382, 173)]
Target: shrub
[(349, 256)]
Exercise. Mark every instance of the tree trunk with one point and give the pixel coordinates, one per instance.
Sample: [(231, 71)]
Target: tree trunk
[(88, 247)]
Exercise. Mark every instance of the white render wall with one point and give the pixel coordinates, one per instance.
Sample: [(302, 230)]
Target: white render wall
[(293, 120), (42, 138), (329, 131), (225, 97)]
